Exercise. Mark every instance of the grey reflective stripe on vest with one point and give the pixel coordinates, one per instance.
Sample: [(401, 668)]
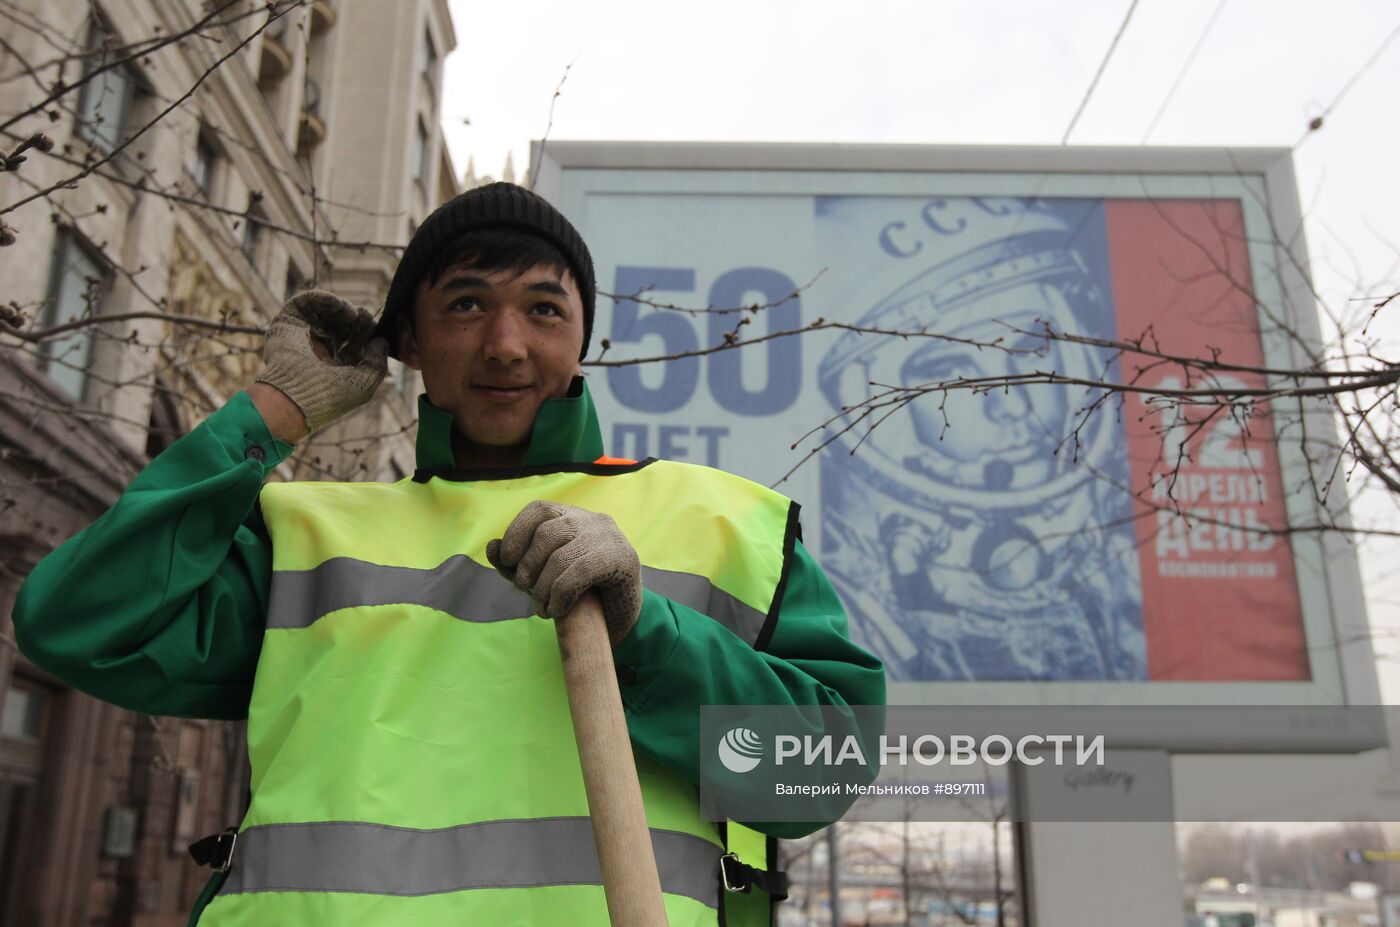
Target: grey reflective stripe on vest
[(466, 590), (705, 597), (459, 586), (380, 860)]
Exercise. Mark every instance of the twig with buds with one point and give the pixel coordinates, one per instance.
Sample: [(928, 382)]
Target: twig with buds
[(12, 161)]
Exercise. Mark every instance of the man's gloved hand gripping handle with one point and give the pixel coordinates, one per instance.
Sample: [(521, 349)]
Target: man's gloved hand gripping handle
[(338, 378), (556, 553)]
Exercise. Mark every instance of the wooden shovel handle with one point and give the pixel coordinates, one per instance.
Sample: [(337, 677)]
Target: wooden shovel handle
[(620, 831)]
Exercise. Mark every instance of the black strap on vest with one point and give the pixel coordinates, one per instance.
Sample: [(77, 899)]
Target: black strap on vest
[(216, 850), (739, 876)]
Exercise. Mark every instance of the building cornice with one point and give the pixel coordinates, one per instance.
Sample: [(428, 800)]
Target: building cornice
[(449, 31)]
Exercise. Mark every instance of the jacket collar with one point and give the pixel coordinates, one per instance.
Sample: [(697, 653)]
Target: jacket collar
[(566, 432)]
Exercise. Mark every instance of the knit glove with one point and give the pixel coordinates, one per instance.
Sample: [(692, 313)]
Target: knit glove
[(323, 390), (557, 552)]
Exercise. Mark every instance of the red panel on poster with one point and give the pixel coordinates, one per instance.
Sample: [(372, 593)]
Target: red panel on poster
[(1220, 601)]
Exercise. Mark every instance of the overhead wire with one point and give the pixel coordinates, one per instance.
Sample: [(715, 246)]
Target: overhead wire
[(1317, 121), (1186, 66), (1064, 140)]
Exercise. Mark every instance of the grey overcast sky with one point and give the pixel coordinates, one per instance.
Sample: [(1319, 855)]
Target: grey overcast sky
[(977, 72)]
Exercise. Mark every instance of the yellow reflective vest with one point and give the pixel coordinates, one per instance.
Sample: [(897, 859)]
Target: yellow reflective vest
[(413, 760)]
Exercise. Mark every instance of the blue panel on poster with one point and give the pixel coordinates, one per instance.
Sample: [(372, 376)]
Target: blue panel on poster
[(965, 541)]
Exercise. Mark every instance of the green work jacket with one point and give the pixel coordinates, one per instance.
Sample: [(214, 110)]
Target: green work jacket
[(161, 606)]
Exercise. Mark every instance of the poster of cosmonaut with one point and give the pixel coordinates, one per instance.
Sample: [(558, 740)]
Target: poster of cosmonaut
[(970, 547), (1009, 534), (1036, 534)]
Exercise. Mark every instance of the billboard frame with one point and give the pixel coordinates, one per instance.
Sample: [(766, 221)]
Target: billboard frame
[(1344, 671)]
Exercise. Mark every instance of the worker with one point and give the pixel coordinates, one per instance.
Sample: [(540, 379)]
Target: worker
[(411, 749)]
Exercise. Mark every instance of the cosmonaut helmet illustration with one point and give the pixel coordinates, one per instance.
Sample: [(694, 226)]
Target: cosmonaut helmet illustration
[(1002, 265), (974, 503)]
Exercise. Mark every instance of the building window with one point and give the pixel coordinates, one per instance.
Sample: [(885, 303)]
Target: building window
[(430, 58), (295, 282), (253, 220), (106, 97), (29, 706), (79, 282), (201, 164), (26, 707), (163, 426), (420, 154)]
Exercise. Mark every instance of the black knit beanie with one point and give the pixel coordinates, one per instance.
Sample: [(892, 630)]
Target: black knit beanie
[(498, 205)]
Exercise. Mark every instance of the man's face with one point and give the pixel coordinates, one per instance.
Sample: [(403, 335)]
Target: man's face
[(493, 346)]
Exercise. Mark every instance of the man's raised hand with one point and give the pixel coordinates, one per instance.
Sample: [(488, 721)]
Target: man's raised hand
[(320, 355)]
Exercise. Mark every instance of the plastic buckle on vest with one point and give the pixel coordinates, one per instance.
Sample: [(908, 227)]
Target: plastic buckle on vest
[(216, 850), (736, 875)]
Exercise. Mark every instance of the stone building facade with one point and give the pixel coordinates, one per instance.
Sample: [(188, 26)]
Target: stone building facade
[(226, 154)]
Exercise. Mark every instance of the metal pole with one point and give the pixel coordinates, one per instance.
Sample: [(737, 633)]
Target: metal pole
[(833, 859)]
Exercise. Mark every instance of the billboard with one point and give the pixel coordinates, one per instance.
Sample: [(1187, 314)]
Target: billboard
[(1042, 542)]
